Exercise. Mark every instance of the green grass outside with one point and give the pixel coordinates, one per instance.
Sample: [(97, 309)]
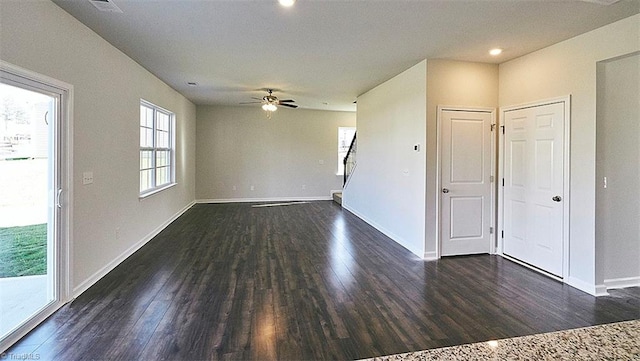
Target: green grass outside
[(23, 251)]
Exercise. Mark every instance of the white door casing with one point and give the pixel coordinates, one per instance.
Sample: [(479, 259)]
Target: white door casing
[(535, 194), (466, 197)]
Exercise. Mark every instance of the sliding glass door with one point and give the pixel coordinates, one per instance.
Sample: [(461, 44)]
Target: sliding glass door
[(30, 203)]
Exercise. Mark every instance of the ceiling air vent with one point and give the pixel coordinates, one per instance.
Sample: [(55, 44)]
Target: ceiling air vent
[(105, 5), (602, 2)]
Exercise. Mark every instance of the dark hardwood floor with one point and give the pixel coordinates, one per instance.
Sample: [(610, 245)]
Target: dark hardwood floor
[(302, 282)]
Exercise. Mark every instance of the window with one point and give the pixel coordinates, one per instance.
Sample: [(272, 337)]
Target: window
[(345, 136), (156, 148)]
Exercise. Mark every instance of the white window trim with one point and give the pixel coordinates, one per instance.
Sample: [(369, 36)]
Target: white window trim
[(172, 151)]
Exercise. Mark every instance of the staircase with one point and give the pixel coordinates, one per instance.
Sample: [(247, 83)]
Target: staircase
[(349, 165)]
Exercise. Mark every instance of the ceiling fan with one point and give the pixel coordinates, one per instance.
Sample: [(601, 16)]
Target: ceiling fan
[(270, 102)]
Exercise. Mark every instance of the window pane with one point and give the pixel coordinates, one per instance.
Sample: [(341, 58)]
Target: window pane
[(345, 136), (162, 176), (146, 116), (163, 121), (162, 158), (149, 137), (145, 159), (162, 139), (143, 116), (145, 180), (146, 137)]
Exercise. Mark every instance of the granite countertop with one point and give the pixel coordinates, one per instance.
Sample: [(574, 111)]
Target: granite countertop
[(615, 341)]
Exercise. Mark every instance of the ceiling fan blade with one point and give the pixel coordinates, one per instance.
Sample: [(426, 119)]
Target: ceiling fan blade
[(287, 101), (288, 105), (250, 103), (256, 98)]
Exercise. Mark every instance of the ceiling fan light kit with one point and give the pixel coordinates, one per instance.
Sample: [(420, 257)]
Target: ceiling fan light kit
[(269, 107)]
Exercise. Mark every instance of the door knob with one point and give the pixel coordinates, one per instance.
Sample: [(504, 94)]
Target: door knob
[(445, 190), (556, 198)]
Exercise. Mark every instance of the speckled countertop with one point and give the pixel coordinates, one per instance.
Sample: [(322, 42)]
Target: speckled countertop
[(615, 341)]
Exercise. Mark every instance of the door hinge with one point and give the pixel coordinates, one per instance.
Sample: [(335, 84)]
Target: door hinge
[(503, 182), (502, 127), (501, 234), (493, 127), (490, 230), (490, 179)]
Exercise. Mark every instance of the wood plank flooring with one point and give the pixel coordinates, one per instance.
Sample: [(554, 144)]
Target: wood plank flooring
[(303, 282)]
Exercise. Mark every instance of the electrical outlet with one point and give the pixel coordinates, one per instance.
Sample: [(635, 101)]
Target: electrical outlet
[(87, 178), (235, 188), (253, 188), (304, 186)]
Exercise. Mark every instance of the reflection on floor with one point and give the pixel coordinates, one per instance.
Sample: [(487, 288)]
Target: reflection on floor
[(615, 341), (303, 282)]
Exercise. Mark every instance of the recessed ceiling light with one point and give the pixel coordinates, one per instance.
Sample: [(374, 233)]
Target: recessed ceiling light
[(495, 52), (192, 83), (287, 3)]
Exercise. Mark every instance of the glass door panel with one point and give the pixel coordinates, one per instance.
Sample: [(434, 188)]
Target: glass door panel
[(28, 180)]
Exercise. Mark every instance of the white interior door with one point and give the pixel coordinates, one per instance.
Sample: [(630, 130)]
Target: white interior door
[(465, 211), (534, 186)]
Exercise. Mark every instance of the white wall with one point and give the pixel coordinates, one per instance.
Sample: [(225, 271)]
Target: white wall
[(108, 85), (565, 68), (387, 188), (452, 83), (239, 147), (618, 159)]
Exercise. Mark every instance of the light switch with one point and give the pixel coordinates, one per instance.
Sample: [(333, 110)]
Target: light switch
[(87, 177)]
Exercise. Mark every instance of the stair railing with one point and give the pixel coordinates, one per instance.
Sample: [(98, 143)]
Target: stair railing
[(350, 159)]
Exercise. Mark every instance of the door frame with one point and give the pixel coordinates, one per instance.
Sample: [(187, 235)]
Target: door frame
[(64, 139), (494, 149), (566, 182)]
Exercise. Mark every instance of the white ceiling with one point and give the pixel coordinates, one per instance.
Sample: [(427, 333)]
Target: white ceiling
[(329, 52)]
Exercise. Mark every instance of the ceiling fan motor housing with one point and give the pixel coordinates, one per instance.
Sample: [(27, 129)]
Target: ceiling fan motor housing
[(270, 98)]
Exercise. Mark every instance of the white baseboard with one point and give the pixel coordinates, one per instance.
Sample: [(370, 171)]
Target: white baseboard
[(625, 282), (255, 200), (385, 231), (592, 289), (430, 256), (601, 290), (78, 290)]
